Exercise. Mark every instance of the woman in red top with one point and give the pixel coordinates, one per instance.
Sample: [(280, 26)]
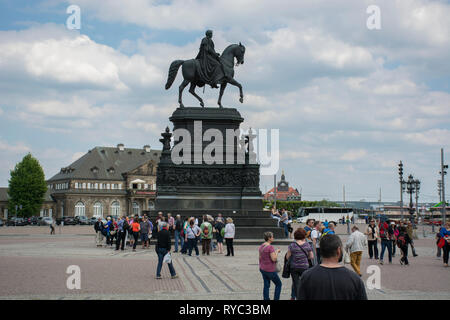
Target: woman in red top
[(267, 266), (135, 228)]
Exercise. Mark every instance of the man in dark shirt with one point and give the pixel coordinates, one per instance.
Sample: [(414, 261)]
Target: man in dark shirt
[(331, 280), (163, 245)]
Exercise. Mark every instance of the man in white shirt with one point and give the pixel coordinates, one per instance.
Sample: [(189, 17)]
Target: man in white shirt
[(356, 244)]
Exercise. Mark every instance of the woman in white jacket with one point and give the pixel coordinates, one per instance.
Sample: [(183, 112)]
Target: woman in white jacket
[(229, 236)]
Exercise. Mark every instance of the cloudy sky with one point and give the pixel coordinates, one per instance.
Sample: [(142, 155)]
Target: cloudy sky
[(349, 102)]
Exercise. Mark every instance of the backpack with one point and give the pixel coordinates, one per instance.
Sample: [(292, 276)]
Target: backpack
[(383, 232), (205, 230), (324, 234), (125, 226), (401, 241)]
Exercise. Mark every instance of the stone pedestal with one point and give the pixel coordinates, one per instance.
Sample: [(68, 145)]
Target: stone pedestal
[(211, 178)]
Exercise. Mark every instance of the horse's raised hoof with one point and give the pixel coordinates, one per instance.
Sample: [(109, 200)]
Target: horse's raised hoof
[(220, 105), (241, 99), (202, 104), (181, 105)]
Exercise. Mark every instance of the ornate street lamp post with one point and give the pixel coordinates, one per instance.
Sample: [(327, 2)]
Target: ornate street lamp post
[(402, 187), (412, 186)]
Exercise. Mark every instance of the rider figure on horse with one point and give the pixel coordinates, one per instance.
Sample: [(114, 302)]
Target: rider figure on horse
[(209, 61)]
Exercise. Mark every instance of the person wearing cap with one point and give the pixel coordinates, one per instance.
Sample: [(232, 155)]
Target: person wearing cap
[(163, 246)]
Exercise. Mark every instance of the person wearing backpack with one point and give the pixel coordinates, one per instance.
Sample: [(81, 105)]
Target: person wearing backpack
[(220, 231), (386, 235), (206, 235), (403, 241), (445, 234)]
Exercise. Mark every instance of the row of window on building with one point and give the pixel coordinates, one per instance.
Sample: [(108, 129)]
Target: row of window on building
[(101, 186), (80, 209), (98, 186)]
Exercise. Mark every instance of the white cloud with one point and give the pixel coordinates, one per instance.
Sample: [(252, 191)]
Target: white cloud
[(433, 137), (15, 149), (353, 155)]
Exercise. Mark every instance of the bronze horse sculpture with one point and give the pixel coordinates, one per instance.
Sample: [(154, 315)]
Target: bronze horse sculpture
[(191, 68)]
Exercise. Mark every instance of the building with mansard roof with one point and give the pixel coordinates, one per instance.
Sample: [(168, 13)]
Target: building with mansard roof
[(283, 191), (104, 181)]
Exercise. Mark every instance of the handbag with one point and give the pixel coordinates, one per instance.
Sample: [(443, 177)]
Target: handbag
[(287, 267), (441, 243), (167, 258), (346, 257), (278, 266)]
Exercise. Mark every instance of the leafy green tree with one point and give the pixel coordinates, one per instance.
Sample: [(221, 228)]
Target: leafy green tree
[(27, 187)]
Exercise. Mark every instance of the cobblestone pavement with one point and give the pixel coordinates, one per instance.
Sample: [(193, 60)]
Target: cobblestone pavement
[(33, 265)]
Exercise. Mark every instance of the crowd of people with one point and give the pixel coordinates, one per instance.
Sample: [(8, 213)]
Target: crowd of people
[(315, 254), (313, 259), (127, 231)]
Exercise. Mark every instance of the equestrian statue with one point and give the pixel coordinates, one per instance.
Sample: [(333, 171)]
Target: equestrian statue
[(209, 68)]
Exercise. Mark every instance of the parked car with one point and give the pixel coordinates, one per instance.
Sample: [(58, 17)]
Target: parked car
[(92, 220), (82, 220), (46, 221), (34, 220), (67, 221), (16, 222)]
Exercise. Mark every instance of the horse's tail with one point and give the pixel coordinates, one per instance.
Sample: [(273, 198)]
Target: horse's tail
[(173, 70)]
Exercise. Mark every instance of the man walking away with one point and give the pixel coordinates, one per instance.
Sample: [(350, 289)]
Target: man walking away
[(403, 241), (355, 244), (145, 232), (122, 227), (98, 227), (206, 235), (162, 248), (331, 280), (372, 233)]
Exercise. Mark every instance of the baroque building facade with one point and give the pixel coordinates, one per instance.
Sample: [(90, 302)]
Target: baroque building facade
[(104, 181), (283, 191)]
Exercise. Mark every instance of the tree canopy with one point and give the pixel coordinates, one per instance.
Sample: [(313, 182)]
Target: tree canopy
[(27, 187)]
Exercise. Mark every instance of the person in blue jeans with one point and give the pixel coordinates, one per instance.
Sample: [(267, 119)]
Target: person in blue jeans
[(267, 266), (192, 233), (162, 248), (285, 221), (177, 232), (386, 234)]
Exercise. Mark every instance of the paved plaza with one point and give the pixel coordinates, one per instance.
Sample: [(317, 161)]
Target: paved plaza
[(33, 265)]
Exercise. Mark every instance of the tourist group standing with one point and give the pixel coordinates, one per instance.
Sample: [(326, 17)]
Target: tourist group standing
[(312, 261)]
